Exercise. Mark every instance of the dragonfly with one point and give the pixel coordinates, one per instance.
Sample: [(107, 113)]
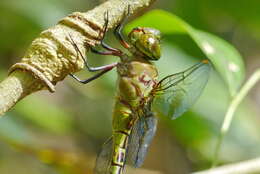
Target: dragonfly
[(140, 95)]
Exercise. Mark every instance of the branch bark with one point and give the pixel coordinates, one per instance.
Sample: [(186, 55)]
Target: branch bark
[(51, 57), (245, 167)]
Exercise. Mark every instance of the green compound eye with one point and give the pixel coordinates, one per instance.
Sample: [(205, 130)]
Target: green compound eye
[(146, 41)]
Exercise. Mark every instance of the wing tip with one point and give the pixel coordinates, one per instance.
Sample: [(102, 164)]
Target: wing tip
[(205, 61)]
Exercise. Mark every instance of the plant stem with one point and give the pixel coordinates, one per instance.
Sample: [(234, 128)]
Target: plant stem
[(250, 166), (231, 110)]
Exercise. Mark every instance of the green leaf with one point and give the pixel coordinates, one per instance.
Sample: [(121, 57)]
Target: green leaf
[(224, 56)]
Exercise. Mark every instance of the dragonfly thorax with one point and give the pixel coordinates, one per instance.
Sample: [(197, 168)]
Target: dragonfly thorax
[(136, 80), (146, 41)]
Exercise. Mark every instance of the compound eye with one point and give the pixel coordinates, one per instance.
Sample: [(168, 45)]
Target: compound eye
[(151, 40)]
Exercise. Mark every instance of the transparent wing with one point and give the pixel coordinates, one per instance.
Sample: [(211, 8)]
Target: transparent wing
[(104, 158), (141, 136), (176, 93)]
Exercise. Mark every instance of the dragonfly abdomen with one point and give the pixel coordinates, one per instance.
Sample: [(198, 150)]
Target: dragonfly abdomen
[(122, 120), (119, 152)]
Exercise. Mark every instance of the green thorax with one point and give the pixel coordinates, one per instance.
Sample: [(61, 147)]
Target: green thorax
[(136, 80)]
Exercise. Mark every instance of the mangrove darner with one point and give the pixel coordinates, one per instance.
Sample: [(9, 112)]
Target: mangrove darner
[(140, 96)]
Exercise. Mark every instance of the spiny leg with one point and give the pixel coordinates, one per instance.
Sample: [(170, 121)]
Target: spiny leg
[(111, 50), (91, 69), (103, 44), (103, 69), (118, 34), (118, 30), (108, 68)]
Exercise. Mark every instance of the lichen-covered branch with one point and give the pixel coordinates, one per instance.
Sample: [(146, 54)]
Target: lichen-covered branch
[(51, 56)]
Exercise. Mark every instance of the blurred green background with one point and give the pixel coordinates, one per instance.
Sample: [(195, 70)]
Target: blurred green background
[(62, 133)]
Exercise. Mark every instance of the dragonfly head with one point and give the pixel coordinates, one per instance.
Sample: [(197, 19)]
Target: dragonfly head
[(146, 41)]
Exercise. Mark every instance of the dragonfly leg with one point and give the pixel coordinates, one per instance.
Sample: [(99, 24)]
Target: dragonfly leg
[(91, 69), (112, 53), (105, 70), (118, 30), (111, 50)]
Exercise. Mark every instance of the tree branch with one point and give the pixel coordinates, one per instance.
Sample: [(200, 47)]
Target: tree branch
[(15, 87), (250, 166), (51, 57)]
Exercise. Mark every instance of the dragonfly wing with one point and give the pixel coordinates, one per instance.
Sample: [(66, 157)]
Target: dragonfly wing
[(176, 93), (104, 158), (141, 136)]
